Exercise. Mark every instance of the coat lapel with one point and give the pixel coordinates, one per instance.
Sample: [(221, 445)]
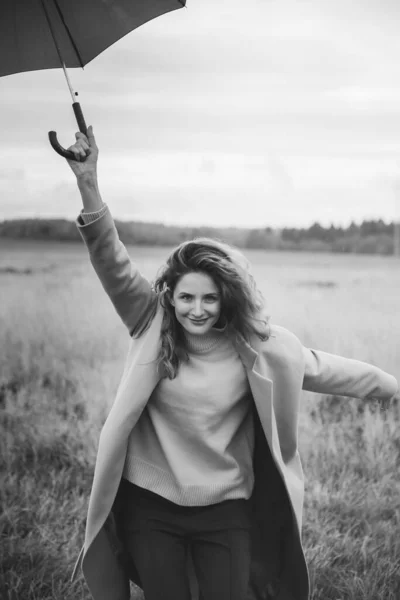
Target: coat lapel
[(139, 379), (278, 487), (261, 386)]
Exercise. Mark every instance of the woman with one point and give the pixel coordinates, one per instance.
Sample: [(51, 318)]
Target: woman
[(198, 485)]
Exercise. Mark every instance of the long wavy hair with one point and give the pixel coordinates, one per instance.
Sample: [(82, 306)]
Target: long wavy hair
[(242, 304)]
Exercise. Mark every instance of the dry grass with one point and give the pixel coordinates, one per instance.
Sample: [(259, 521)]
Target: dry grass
[(62, 355)]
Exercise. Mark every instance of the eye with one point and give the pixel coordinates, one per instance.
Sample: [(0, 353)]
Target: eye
[(211, 298)]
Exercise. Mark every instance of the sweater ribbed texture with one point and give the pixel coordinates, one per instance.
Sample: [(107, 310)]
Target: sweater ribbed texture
[(89, 217), (205, 415)]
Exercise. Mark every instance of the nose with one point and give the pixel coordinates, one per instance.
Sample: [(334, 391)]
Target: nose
[(197, 309)]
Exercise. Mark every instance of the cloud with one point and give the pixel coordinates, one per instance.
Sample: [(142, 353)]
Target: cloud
[(222, 105)]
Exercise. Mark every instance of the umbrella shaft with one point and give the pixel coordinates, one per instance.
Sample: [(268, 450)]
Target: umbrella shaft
[(73, 94), (71, 89)]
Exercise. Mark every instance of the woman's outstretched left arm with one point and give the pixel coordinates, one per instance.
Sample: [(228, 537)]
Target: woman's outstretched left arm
[(332, 374)]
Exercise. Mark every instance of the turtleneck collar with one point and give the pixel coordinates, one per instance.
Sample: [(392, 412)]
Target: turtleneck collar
[(205, 343), (201, 344)]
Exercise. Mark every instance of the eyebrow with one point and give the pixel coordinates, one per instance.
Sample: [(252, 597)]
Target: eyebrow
[(183, 293)]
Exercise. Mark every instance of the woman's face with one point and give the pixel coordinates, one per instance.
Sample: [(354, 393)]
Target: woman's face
[(197, 302)]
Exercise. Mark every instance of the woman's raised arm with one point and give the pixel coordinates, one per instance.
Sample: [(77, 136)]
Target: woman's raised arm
[(129, 291)]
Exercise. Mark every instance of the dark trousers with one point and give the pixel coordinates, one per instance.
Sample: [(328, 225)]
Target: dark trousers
[(157, 534)]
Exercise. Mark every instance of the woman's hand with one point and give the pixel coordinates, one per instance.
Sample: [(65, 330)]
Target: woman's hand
[(85, 147), (86, 154), (385, 404)]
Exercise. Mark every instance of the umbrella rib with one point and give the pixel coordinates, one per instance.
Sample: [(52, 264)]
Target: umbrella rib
[(68, 32)]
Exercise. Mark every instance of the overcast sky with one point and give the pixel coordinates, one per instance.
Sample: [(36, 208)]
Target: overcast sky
[(257, 113)]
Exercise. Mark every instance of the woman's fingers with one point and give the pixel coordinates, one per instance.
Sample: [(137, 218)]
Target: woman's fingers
[(81, 148), (81, 136), (386, 403), (79, 151), (82, 140), (91, 138), (84, 147), (82, 143)]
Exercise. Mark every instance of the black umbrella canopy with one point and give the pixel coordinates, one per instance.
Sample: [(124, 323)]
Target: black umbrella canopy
[(49, 34), (82, 28)]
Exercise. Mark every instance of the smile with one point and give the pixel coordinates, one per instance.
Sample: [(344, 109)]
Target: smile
[(198, 321)]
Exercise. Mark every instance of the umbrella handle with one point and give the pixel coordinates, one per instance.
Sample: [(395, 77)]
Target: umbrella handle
[(82, 128)]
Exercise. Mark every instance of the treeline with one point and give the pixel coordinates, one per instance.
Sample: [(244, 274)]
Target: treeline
[(372, 237)]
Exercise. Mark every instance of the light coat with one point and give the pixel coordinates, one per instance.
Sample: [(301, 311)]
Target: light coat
[(278, 369)]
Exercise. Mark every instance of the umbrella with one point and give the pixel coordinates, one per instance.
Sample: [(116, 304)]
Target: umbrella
[(48, 34)]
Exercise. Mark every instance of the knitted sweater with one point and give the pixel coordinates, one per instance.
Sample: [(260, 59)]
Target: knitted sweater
[(204, 414)]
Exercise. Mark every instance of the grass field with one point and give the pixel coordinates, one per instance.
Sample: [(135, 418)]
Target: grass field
[(62, 353)]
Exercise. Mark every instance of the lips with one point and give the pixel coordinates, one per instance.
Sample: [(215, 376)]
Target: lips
[(198, 321)]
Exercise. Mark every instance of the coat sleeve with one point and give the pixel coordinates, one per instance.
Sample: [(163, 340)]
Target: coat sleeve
[(332, 374), (130, 292)]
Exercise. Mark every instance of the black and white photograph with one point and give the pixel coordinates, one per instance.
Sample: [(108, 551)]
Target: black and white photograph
[(199, 300)]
